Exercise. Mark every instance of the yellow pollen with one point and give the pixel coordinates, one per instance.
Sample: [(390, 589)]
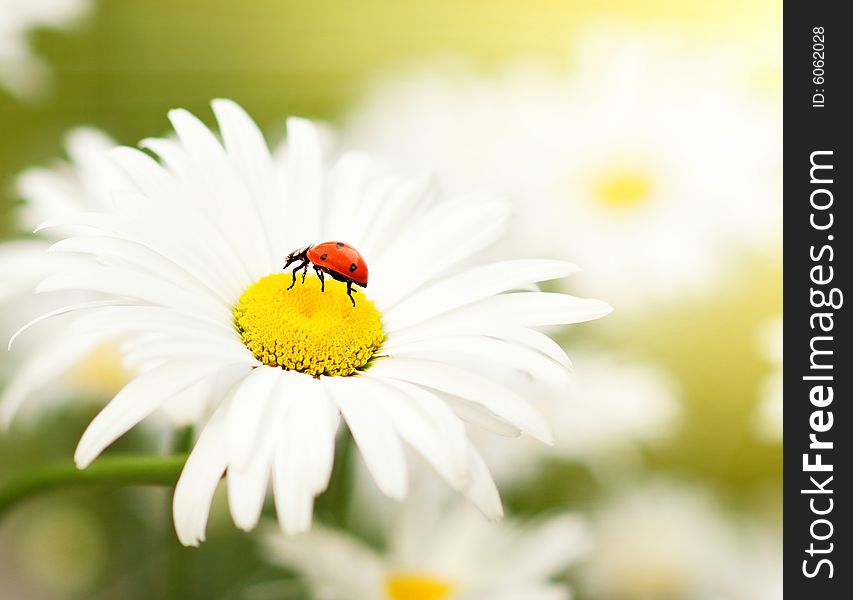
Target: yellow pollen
[(100, 372), (306, 330), (416, 587), (624, 188)]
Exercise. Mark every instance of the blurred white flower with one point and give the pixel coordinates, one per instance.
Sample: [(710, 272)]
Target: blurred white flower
[(769, 417), (608, 410), (667, 541), (21, 72), (756, 569), (648, 164), (88, 367), (188, 263), (439, 551)]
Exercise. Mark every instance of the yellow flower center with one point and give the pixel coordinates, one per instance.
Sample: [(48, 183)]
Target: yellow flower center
[(100, 372), (306, 330), (624, 188), (416, 587)]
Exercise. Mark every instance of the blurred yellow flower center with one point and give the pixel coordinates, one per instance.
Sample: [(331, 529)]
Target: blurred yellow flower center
[(652, 581), (624, 188), (306, 330), (416, 587), (100, 372)]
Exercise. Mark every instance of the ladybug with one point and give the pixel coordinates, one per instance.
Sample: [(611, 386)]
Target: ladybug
[(337, 260)]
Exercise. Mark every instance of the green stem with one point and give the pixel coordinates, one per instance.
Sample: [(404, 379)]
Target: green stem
[(110, 470), (180, 561)]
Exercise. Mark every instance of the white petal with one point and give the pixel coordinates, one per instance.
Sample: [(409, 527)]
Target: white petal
[(137, 400), (139, 352), (251, 407), (42, 368), (470, 286), (480, 416), (148, 288), (482, 490), (157, 319), (489, 350), (372, 431), (154, 181), (525, 309), (428, 425), (388, 205), (247, 485), (64, 310), (22, 265), (469, 386), (231, 209), (199, 479), (306, 450), (512, 333), (48, 193), (120, 252), (304, 182), (448, 233), (248, 151), (348, 179)]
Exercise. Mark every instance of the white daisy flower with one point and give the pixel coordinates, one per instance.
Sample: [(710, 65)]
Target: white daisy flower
[(619, 161), (190, 266), (659, 542), (438, 551), (86, 367), (769, 416), (757, 572), (608, 410), (21, 72)]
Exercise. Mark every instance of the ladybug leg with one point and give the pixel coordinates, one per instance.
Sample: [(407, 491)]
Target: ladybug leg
[(350, 291), (321, 277), (304, 267), (296, 270)]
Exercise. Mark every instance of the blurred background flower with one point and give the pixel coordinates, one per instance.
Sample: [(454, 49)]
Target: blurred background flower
[(440, 549), (636, 161), (90, 366), (21, 71), (769, 417), (639, 140)]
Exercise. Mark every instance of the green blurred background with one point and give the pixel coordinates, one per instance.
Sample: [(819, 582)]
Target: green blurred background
[(132, 61)]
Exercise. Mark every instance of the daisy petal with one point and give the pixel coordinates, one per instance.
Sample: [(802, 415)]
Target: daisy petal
[(199, 480), (469, 386), (487, 350), (480, 416), (303, 462), (428, 425), (470, 286), (52, 359), (304, 181), (248, 150), (373, 432), (250, 409), (482, 490), (525, 309), (466, 227), (137, 400)]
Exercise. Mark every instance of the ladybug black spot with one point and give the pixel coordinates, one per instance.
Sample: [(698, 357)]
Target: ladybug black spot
[(323, 256), (353, 267), (339, 245)]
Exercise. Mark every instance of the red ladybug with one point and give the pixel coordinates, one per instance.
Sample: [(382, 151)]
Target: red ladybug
[(337, 260)]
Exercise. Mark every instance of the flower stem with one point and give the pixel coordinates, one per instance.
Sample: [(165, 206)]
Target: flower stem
[(110, 470)]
